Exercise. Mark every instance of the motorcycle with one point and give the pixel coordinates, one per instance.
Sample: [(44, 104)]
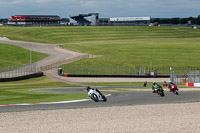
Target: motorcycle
[(173, 88), (158, 89), (96, 95)]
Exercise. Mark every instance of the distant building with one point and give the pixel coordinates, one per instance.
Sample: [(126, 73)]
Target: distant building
[(90, 19), (130, 21), (34, 20), (125, 21)]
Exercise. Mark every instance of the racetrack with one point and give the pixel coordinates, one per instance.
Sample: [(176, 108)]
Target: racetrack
[(146, 112), (117, 98)]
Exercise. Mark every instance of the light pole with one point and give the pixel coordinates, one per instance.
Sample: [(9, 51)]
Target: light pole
[(31, 55)]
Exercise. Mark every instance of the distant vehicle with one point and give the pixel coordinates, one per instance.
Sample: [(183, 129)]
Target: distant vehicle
[(95, 94)]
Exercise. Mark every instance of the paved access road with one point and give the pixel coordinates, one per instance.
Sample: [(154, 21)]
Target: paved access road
[(116, 99), (55, 52)]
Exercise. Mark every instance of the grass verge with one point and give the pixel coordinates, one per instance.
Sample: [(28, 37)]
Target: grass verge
[(19, 91), (16, 56), (139, 84), (120, 48)]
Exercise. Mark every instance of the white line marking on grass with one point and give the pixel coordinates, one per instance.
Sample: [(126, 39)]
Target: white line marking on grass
[(27, 104)]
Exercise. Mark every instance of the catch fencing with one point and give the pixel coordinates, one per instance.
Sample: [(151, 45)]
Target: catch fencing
[(193, 76), (17, 71), (113, 70), (124, 69), (23, 70)]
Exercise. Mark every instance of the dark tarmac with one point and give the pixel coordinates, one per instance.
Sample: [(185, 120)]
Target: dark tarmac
[(117, 98)]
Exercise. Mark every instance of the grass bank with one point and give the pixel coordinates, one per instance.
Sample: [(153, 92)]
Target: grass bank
[(121, 47), (93, 34), (16, 56), (19, 91)]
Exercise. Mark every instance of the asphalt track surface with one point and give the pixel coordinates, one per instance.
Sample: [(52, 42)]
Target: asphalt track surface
[(117, 98)]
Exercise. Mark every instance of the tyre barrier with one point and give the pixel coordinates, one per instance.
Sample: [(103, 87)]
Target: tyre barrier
[(38, 74), (192, 84)]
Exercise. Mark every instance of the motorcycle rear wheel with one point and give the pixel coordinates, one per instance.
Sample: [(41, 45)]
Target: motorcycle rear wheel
[(95, 97)]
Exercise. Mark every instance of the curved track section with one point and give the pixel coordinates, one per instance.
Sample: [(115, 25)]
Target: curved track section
[(115, 99)]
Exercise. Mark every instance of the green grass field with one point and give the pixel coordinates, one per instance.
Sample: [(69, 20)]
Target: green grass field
[(131, 45), (119, 83), (121, 47), (19, 91), (105, 34), (16, 56)]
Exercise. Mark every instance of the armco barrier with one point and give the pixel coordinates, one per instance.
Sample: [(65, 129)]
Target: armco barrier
[(38, 74), (31, 71)]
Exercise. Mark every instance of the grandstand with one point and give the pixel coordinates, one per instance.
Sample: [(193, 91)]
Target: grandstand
[(34, 20), (90, 19)]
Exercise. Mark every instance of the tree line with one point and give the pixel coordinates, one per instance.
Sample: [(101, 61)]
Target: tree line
[(189, 20)]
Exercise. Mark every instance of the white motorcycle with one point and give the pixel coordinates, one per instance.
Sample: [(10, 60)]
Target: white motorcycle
[(95, 94)]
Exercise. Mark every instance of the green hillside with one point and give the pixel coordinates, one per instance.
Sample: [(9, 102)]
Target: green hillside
[(91, 34), (120, 46), (14, 56)]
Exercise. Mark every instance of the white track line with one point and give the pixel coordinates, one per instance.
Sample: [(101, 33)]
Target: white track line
[(26, 104)]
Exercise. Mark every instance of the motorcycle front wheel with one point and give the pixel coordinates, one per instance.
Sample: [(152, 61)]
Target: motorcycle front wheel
[(161, 93), (104, 98), (176, 92)]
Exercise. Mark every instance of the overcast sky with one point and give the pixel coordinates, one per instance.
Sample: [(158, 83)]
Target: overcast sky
[(106, 8)]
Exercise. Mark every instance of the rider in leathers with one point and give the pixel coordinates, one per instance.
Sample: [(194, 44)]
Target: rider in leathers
[(154, 86)]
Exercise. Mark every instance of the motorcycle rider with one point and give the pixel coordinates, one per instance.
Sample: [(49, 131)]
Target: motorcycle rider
[(89, 88), (95, 94), (154, 86), (170, 85)]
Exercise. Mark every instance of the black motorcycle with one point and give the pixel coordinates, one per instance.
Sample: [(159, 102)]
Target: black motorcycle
[(158, 89)]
